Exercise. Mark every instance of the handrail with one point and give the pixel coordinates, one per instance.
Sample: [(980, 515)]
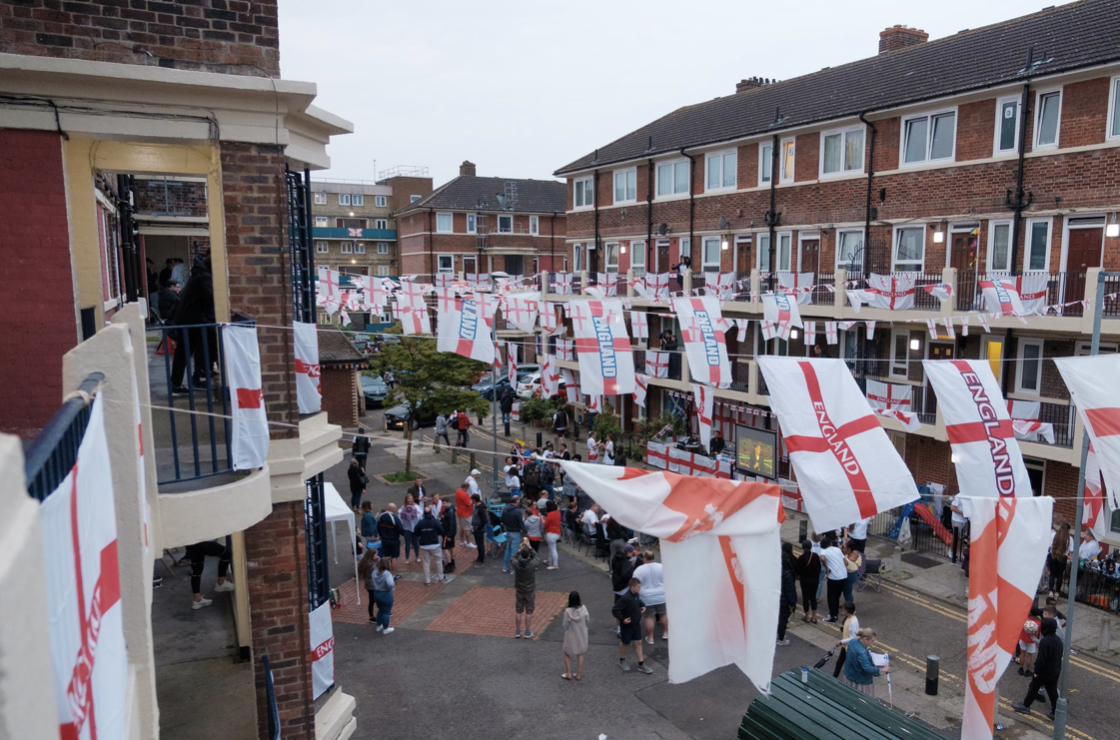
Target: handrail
[(52, 454)]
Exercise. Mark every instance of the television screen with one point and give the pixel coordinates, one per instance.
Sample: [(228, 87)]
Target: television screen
[(756, 451)]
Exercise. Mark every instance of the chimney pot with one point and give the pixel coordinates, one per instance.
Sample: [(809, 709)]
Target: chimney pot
[(467, 169), (900, 37)]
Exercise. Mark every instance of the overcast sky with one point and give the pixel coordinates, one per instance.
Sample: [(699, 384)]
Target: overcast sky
[(522, 88)]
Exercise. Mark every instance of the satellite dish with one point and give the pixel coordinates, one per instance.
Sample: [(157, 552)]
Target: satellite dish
[(663, 229), (722, 223)]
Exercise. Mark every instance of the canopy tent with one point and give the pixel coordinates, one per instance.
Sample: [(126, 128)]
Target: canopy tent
[(338, 511)]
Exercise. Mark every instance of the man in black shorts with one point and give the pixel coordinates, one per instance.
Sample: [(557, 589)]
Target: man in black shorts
[(389, 528), (628, 611)]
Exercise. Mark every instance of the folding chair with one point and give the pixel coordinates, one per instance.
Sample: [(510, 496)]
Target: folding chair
[(870, 575)]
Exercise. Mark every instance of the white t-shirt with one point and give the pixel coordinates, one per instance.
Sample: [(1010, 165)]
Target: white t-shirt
[(590, 520), (512, 481), (592, 449), (853, 628), (959, 520), (1088, 550), (834, 561), (608, 454), (472, 486), (653, 583), (859, 529)]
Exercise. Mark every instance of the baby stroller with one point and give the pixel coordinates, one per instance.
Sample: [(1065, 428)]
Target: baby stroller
[(495, 534)]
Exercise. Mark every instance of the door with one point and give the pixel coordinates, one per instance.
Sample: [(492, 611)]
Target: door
[(662, 264), (592, 259), (936, 351), (743, 258), (810, 255), (470, 265), (962, 257), (514, 264), (1084, 251)]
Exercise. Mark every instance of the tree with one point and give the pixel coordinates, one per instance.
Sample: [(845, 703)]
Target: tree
[(427, 381)]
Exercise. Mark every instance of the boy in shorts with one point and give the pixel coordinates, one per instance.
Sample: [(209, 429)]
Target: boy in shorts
[(628, 611)]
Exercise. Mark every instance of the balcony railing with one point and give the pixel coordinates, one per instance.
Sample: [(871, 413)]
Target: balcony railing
[(52, 454), (741, 376), (1063, 415), (331, 232), (821, 295), (1061, 288)]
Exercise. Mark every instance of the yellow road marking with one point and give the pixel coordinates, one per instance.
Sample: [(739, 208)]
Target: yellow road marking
[(1005, 703)]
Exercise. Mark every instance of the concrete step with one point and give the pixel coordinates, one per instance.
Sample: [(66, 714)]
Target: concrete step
[(335, 720)]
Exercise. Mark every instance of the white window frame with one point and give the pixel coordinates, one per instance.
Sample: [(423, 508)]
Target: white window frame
[(787, 266), (577, 257), (445, 264), (587, 201), (382, 247), (891, 359), (762, 159), (414, 198), (1039, 94), (322, 247), (320, 199), (1083, 348), (357, 199), (930, 115), (1081, 221), (672, 164), (840, 241), (344, 199), (510, 218), (472, 223), (1027, 244), (1023, 343), (383, 270), (610, 249), (380, 201), (684, 247), (381, 223), (720, 157), (359, 247), (638, 258), (783, 176), (450, 217), (1000, 102), (626, 174), (1112, 132), (843, 134), (894, 248), (992, 225), (705, 243), (535, 225), (322, 222), (346, 247), (759, 239)]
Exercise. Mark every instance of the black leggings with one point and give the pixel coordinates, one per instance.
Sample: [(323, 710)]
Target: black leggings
[(197, 554), (840, 662), (1057, 574), (370, 604), (809, 595), (835, 591)]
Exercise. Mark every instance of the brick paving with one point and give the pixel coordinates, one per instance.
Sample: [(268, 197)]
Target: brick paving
[(463, 556), (489, 611), (407, 598)]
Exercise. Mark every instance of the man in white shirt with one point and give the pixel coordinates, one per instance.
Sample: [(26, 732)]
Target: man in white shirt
[(472, 483), (652, 595), (590, 520), (837, 576), (960, 525), (1088, 549), (857, 534), (592, 448), (513, 482)]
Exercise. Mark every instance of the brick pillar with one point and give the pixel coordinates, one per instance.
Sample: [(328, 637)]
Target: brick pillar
[(277, 565)]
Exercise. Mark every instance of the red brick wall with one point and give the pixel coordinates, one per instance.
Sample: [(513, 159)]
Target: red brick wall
[(340, 396), (35, 252), (277, 561), (931, 460), (1084, 113), (1061, 484), (228, 36), (406, 187)]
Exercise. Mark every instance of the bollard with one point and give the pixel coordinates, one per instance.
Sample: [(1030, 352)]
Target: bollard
[(896, 563), (539, 444), (507, 428), (472, 461), (962, 584), (1106, 636), (933, 666), (802, 530), (996, 723), (454, 455)]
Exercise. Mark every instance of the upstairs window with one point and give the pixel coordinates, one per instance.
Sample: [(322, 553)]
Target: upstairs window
[(626, 186), (413, 198), (584, 193), (320, 199), (672, 178), (472, 223), (1114, 109), (444, 223), (344, 199), (929, 138), (909, 249), (505, 224), (765, 163), (612, 257), (321, 222), (786, 161), (999, 246), (381, 223), (1048, 110), (1007, 126), (534, 225), (721, 170), (360, 248), (380, 201), (1038, 244), (842, 151), (849, 251), (357, 200), (382, 248), (321, 248), (711, 254), (347, 247)]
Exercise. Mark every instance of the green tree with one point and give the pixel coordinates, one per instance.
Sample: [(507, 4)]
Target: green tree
[(428, 381)]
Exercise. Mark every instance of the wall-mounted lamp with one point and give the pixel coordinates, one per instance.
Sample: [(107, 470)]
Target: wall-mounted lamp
[(793, 333), (915, 344), (938, 236), (622, 249), (1113, 228), (353, 262), (725, 244), (955, 458), (351, 213)]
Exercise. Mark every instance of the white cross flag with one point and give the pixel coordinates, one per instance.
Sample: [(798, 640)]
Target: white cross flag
[(892, 400), (1092, 386), (720, 551), (894, 292), (606, 357), (78, 526), (243, 371), (641, 387), (705, 342), (780, 309), (1095, 517), (846, 466), (511, 353), (550, 377), (798, 284), (308, 394), (1001, 297), (638, 325), (328, 295), (705, 403), (571, 385), (463, 330), (521, 310)]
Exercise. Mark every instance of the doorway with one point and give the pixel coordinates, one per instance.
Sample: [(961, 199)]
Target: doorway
[(743, 255), (935, 351), (1083, 245), (470, 265), (810, 258), (514, 264), (662, 263)]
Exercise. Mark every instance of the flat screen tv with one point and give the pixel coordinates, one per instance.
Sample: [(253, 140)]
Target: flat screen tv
[(756, 451)]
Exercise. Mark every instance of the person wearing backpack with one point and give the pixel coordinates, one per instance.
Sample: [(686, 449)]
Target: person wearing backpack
[(548, 478), (531, 485)]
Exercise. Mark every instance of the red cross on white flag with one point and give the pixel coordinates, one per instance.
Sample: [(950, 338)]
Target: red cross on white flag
[(355, 232), (810, 333), (705, 340), (882, 395), (931, 324), (984, 323), (798, 284), (604, 352), (657, 285), (551, 324), (638, 325), (1095, 517), (657, 363), (593, 404), (769, 331), (1092, 386), (243, 371), (870, 328), (328, 293), (521, 310), (511, 351), (550, 377), (704, 397), (894, 292), (571, 385), (462, 331), (830, 332), (641, 387), (564, 283), (780, 309), (964, 326), (308, 395), (1001, 297)]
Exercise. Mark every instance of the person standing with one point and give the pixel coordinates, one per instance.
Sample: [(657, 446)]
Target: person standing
[(548, 479), (534, 529), (360, 449), (179, 272), (1059, 558), (384, 586), (513, 523), (592, 448), (366, 568), (608, 450), (410, 514), (960, 525), (788, 603), (1029, 640), (512, 474), (390, 529), (448, 521), (1047, 669), (472, 483), (464, 510), (628, 610), (860, 671), (525, 588), (368, 523), (560, 423), (506, 405), (168, 301), (622, 569), (441, 431), (853, 563), (857, 535), (480, 522), (837, 575), (429, 535), (463, 426), (195, 314), (848, 632), (357, 477), (576, 623), (552, 533), (197, 553), (652, 576), (808, 571), (418, 492)]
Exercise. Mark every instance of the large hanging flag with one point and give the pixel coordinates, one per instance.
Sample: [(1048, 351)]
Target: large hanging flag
[(894, 292), (571, 385), (638, 325), (322, 649), (78, 527), (705, 341), (551, 323), (722, 285), (1031, 287), (704, 398), (798, 284), (308, 393), (657, 286), (1095, 517), (521, 310), (563, 284), (847, 467), (411, 309), (463, 331), (328, 294), (1001, 297), (780, 309), (606, 357), (731, 609), (641, 388), (511, 352), (565, 350), (243, 371), (1092, 386), (550, 377), (657, 363)]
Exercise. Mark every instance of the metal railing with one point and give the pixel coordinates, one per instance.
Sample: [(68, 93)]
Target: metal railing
[(1061, 288), (741, 376), (1111, 288), (1063, 416), (922, 537), (924, 301), (923, 402), (821, 295), (315, 515), (52, 454)]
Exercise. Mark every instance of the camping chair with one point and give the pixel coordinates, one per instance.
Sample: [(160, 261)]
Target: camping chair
[(870, 575), (570, 530)]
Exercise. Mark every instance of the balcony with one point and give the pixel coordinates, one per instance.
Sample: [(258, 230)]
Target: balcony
[(331, 232)]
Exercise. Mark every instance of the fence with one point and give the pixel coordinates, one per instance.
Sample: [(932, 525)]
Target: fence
[(1061, 288), (1064, 418), (314, 509), (52, 453), (924, 301), (821, 295), (922, 537)]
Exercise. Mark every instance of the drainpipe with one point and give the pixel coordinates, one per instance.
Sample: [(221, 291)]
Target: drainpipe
[(772, 217), (649, 211), (431, 236), (1018, 204), (552, 244), (867, 207), (598, 245), (691, 203)]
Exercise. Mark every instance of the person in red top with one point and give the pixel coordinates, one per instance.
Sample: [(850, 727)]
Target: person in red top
[(1028, 642), (464, 509), (552, 533)]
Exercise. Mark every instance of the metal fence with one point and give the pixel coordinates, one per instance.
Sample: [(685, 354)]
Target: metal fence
[(1064, 418), (52, 454), (924, 301), (1061, 288), (922, 537), (315, 515), (821, 295)]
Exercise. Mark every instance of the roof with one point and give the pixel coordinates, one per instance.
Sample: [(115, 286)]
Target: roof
[(336, 348), (481, 194), (1064, 38)]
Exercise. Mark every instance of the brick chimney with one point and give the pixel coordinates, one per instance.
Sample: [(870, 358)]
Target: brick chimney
[(466, 169), (900, 37), (751, 84)]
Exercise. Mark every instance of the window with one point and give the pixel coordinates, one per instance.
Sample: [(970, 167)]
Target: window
[(999, 246), (1007, 126), (1028, 370), (534, 225), (765, 163), (686, 246), (900, 353), (577, 257), (383, 270), (786, 161), (1084, 349), (672, 178), (320, 222), (344, 199), (321, 248), (347, 247), (842, 151), (320, 199), (380, 201), (929, 138), (638, 258), (583, 195), (381, 223), (785, 251), (360, 248), (413, 198), (505, 224), (612, 256), (1114, 110), (849, 251), (1048, 110), (721, 169), (710, 256), (763, 259), (909, 249), (444, 223), (625, 186), (446, 263), (382, 248), (1038, 244), (472, 223), (357, 199)]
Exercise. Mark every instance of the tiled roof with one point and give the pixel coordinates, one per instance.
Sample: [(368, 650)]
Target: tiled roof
[(1064, 38), (481, 194), (336, 347)]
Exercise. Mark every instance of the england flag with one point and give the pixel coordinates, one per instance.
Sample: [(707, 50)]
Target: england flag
[(308, 394), (1001, 297), (780, 309), (243, 371), (521, 310), (463, 331), (799, 284), (705, 340), (606, 357), (1092, 385)]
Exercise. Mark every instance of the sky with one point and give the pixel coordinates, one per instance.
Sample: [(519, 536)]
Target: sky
[(523, 88)]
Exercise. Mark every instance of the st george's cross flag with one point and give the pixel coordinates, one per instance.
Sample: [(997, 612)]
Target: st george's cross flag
[(940, 291), (705, 343), (780, 309), (1031, 287), (704, 397), (521, 310), (720, 551), (463, 331), (571, 385), (1095, 517), (78, 527), (551, 323), (657, 286), (565, 350), (511, 352), (550, 377), (894, 292), (308, 395), (798, 284), (1092, 385), (1001, 297), (657, 363), (243, 372), (411, 309), (639, 326), (846, 466), (810, 333), (892, 401), (328, 294), (563, 284), (641, 388), (722, 285), (604, 352)]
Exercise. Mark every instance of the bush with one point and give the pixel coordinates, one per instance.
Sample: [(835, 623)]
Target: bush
[(606, 424), (536, 409)]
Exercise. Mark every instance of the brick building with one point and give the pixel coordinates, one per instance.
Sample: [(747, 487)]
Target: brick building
[(477, 225), (994, 151), (150, 130), (340, 362)]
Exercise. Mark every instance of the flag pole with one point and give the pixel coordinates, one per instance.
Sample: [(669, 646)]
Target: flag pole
[(494, 389), (1062, 708)]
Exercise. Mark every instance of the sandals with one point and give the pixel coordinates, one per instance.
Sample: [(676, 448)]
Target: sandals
[(806, 620), (566, 677)]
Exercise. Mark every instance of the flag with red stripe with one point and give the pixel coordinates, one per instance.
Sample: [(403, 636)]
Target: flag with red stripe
[(463, 331), (705, 342), (1095, 517), (308, 395), (846, 466), (641, 387), (798, 284), (603, 349), (243, 371), (1001, 297), (780, 310), (704, 397), (1092, 385)]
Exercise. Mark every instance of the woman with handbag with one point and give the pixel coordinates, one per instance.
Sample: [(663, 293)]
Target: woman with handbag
[(358, 480)]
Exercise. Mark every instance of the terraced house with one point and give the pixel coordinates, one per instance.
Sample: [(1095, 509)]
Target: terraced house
[(995, 151)]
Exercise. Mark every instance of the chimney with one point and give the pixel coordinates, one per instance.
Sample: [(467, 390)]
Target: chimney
[(466, 169), (750, 84), (900, 37)]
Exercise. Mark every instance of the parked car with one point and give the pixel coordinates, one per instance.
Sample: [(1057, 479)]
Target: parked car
[(528, 384), (503, 383), (398, 416), (486, 378), (374, 390)]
